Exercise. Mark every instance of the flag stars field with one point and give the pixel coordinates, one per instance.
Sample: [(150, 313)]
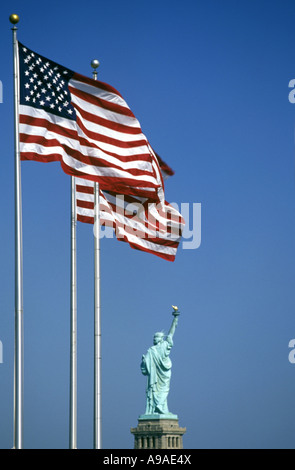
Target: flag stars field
[(44, 80)]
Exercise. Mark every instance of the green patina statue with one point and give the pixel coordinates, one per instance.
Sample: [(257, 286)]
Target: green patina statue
[(156, 365)]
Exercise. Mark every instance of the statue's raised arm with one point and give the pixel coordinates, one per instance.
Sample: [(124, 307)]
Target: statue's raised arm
[(175, 314)]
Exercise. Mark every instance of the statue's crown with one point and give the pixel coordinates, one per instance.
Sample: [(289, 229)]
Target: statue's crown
[(160, 333)]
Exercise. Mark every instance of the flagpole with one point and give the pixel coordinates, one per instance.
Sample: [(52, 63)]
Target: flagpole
[(73, 345), (97, 321), (18, 344)]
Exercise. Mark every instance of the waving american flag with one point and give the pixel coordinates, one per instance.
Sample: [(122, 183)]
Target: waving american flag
[(146, 226), (86, 125)]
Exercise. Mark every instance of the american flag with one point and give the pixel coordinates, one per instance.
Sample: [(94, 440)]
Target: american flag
[(86, 125), (154, 228)]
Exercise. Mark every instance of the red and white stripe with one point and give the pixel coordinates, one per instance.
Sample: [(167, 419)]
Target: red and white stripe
[(105, 143), (152, 227)]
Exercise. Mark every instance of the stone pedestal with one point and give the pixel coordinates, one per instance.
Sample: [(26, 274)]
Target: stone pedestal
[(158, 432)]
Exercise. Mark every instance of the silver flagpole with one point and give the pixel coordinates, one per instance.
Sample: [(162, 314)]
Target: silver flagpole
[(18, 345), (97, 323), (73, 347)]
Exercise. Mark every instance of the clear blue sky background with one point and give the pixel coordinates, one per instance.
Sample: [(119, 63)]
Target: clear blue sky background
[(208, 81)]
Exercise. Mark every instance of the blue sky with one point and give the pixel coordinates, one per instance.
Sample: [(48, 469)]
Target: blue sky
[(208, 82)]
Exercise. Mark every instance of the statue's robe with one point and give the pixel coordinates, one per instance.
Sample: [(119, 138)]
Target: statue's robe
[(156, 364)]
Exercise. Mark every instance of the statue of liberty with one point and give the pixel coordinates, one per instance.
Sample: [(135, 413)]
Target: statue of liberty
[(156, 365)]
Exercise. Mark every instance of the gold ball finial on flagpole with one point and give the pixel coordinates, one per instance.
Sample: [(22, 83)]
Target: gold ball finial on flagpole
[(14, 18)]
